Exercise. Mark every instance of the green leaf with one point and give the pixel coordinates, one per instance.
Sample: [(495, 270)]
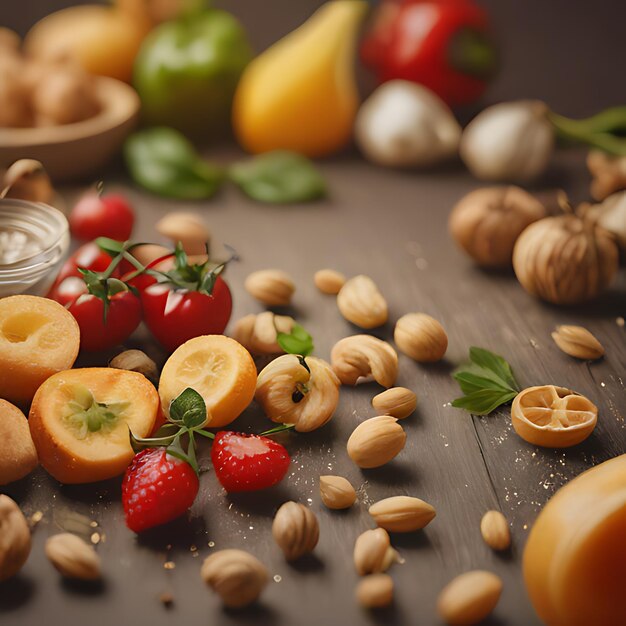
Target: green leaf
[(279, 177), (495, 363), (473, 377), (110, 246), (163, 161), (487, 382), (189, 409), (484, 401), (298, 341)]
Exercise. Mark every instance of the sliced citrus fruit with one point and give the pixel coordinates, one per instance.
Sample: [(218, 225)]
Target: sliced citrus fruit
[(553, 417), (38, 337), (219, 368), (79, 421)]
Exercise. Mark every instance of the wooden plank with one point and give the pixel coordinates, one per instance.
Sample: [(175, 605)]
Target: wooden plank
[(392, 226)]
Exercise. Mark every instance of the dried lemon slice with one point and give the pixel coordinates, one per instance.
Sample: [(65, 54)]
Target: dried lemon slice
[(553, 417)]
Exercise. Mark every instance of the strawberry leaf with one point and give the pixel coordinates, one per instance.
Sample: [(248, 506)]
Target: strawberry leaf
[(189, 409)]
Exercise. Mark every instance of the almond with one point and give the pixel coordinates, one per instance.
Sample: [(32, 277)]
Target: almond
[(363, 356), (271, 287), (495, 530), (295, 530), (469, 598), (402, 514), (73, 557), (329, 281), (375, 591), (398, 402), (337, 492), (187, 228), (421, 337), (578, 342), (361, 303), (373, 552), (236, 576), (376, 441)]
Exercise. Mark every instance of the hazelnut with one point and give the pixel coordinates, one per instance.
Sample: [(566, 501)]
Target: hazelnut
[(373, 552), (398, 402), (270, 287), (295, 530), (487, 222), (421, 337), (15, 539), (236, 576), (337, 492), (73, 557), (361, 303), (329, 281), (376, 441)]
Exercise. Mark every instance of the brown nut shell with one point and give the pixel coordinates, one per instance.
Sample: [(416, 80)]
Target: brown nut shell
[(18, 456)]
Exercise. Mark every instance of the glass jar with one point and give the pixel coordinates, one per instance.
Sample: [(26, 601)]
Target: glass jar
[(34, 240)]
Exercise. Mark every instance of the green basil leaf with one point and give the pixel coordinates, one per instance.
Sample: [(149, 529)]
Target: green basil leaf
[(495, 363), (189, 409), (298, 341), (472, 378), (163, 161), (484, 401), (279, 177)]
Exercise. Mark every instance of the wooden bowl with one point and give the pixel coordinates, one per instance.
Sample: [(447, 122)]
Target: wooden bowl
[(75, 151)]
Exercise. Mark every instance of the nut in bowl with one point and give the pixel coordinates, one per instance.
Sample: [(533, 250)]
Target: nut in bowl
[(76, 150)]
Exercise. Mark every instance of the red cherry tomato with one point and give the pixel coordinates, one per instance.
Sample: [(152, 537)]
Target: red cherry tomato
[(102, 216), (174, 316), (69, 283), (123, 316)]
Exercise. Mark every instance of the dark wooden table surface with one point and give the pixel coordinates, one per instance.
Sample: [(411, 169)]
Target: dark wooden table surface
[(391, 226)]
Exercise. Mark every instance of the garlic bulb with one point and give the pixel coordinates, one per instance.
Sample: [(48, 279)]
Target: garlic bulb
[(611, 215), (403, 124), (487, 222), (565, 259), (511, 141)]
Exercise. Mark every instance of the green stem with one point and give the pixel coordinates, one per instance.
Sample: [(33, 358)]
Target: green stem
[(586, 131), (277, 429)]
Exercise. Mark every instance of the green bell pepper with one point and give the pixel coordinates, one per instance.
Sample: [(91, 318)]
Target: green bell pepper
[(187, 71)]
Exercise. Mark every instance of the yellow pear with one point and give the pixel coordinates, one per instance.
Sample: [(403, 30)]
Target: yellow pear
[(301, 93)]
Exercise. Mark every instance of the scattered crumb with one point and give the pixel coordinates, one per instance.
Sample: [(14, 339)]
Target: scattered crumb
[(169, 565), (620, 322), (35, 518), (277, 578), (166, 599), (95, 538)]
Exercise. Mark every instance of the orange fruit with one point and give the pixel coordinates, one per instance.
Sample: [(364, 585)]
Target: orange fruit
[(38, 337), (553, 417), (574, 557), (79, 421), (219, 368)]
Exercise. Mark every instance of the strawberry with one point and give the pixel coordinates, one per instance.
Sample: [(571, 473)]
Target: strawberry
[(248, 462), (157, 488)]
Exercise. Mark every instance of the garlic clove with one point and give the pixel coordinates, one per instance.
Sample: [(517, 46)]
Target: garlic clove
[(510, 141), (403, 124)]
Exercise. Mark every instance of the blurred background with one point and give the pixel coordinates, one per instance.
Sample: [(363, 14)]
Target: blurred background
[(566, 52)]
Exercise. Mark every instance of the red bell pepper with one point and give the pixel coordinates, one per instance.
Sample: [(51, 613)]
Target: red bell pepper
[(444, 45)]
